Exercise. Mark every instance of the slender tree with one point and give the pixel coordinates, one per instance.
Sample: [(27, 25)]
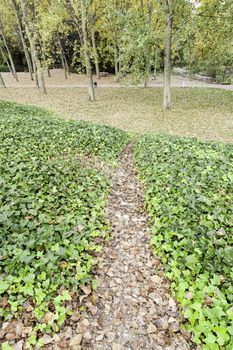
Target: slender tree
[(2, 33), (62, 55), (86, 48), (21, 33), (167, 57), (116, 54), (36, 61), (93, 40), (4, 56), (2, 81)]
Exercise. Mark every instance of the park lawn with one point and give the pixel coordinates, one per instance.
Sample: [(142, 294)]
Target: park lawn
[(197, 112), (51, 210), (189, 196)]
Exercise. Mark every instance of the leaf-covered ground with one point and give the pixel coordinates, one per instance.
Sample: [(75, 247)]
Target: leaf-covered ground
[(197, 112), (135, 308), (189, 191), (51, 209)]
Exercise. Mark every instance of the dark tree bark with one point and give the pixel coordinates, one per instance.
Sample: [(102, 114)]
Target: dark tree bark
[(62, 55), (20, 26)]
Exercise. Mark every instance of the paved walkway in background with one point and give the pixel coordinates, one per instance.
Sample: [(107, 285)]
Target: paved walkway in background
[(177, 81), (190, 84)]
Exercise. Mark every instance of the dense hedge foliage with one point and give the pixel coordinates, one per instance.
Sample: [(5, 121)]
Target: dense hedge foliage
[(51, 208), (189, 195), (4, 68)]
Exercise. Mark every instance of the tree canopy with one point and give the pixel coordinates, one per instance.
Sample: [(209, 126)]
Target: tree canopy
[(127, 37)]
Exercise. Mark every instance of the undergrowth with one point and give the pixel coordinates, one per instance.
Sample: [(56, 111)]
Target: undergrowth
[(188, 193), (51, 209)]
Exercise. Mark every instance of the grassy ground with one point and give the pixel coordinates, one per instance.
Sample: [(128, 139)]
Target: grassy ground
[(202, 113)]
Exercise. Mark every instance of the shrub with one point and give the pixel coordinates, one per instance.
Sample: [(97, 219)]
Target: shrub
[(4, 68)]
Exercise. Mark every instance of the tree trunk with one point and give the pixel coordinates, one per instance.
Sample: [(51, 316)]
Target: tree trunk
[(25, 49), (96, 59), (147, 72), (35, 73), (146, 82), (8, 50), (97, 69), (155, 69), (63, 60), (167, 58), (6, 60), (37, 65), (86, 52), (147, 18), (115, 56), (2, 81), (66, 63)]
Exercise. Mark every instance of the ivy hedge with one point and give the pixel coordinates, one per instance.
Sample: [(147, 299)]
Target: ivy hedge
[(189, 195), (51, 208)]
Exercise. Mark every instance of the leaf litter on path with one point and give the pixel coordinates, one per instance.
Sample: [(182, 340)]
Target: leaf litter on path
[(134, 308)]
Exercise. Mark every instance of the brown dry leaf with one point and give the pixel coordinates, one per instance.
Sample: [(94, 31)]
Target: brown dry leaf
[(92, 308), (19, 329), (76, 340), (111, 336), (99, 337), (27, 330), (3, 302), (68, 333), (18, 345), (116, 346), (86, 290), (94, 298), (48, 316), (5, 325), (85, 322), (162, 323), (156, 279), (46, 339), (87, 336), (208, 300), (10, 336), (151, 328)]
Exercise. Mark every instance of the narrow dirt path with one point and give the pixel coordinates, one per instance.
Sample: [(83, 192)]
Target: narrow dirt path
[(135, 310), (132, 308)]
